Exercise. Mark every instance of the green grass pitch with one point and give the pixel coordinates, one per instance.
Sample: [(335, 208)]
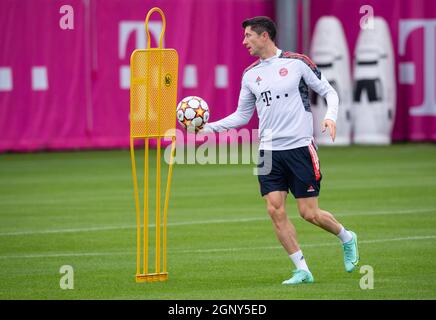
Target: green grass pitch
[(77, 208)]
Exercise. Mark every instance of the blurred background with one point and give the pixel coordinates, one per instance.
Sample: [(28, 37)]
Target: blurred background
[(64, 65)]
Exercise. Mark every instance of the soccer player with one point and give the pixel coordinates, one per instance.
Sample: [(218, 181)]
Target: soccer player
[(277, 86)]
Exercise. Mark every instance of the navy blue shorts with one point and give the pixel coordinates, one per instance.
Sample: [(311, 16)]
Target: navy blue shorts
[(297, 170)]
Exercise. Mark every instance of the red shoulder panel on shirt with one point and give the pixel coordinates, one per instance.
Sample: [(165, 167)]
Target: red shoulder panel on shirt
[(293, 55), (304, 58), (251, 66)]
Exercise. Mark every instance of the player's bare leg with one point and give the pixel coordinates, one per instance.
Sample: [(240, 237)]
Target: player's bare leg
[(309, 211), (284, 229), (286, 234)]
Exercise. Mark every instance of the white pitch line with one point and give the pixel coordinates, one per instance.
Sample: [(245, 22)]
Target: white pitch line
[(211, 221), (97, 254), (90, 229), (329, 244), (58, 255)]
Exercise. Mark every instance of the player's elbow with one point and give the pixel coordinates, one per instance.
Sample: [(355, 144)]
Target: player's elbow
[(245, 118), (331, 93), (245, 121)]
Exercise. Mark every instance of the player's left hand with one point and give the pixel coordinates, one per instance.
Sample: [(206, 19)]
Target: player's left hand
[(331, 125)]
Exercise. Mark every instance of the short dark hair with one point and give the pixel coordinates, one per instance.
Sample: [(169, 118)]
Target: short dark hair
[(261, 24)]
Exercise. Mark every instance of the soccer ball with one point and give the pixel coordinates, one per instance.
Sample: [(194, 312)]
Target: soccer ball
[(192, 113)]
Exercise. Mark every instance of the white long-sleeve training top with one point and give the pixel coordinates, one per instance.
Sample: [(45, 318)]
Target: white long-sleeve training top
[(278, 88)]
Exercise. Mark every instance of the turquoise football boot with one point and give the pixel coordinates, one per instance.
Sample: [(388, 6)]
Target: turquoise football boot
[(351, 253), (300, 276)]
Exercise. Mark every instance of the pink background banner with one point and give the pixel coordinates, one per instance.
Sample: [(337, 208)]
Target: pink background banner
[(413, 29), (42, 77), (65, 89)]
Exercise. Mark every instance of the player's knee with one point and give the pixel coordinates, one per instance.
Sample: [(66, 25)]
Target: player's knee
[(276, 213), (271, 210), (309, 214)]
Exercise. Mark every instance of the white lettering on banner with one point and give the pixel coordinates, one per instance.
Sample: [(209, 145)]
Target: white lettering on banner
[(39, 79), (125, 77), (126, 28), (190, 76), (6, 79), (221, 76), (406, 73), (428, 107)]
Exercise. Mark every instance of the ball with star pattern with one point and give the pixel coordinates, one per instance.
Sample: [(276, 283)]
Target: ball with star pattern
[(192, 113)]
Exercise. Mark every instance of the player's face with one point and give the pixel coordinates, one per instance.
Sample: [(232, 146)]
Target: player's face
[(252, 41)]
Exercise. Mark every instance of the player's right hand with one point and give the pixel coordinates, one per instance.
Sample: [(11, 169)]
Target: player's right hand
[(331, 125)]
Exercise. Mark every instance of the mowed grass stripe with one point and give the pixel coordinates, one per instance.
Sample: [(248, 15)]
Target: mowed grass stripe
[(211, 221), (212, 250)]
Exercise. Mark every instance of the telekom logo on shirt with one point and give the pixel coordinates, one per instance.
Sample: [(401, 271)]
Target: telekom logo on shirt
[(407, 69)]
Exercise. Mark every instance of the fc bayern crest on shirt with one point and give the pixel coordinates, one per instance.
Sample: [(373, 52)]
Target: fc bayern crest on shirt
[(283, 72)]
